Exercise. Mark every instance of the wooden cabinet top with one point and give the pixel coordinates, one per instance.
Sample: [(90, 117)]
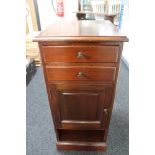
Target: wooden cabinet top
[(84, 30)]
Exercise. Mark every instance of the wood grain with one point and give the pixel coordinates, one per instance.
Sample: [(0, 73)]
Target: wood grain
[(88, 73), (88, 53), (83, 30), (81, 89), (86, 146)]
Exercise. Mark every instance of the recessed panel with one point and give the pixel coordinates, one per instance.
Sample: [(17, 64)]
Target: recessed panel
[(79, 106)]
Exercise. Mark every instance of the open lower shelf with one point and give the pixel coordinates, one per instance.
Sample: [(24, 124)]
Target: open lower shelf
[(88, 140), (81, 135)]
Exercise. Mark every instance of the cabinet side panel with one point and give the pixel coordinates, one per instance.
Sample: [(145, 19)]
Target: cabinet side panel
[(48, 90)]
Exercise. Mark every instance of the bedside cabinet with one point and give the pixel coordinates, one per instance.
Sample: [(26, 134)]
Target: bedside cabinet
[(81, 63)]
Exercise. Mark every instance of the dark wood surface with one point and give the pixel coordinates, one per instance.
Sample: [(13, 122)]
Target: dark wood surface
[(80, 73), (81, 87), (80, 53), (86, 146), (84, 30), (82, 105), (81, 135)]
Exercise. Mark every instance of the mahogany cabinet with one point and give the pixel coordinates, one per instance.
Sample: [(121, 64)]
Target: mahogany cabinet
[(81, 62)]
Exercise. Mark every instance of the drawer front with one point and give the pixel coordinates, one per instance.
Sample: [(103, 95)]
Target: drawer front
[(80, 53), (81, 73)]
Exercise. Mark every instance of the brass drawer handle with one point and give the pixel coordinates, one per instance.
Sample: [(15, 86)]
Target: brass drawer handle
[(80, 55), (106, 111), (80, 75)]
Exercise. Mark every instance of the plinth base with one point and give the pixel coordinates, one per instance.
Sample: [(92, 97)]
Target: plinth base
[(85, 146)]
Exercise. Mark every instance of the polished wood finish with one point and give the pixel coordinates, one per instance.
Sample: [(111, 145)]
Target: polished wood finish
[(81, 63), (81, 31), (86, 146), (72, 101), (80, 53), (80, 73)]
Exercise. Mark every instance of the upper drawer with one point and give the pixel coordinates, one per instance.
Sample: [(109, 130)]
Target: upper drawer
[(80, 53)]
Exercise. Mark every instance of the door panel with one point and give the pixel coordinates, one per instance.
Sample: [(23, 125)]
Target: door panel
[(73, 106), (81, 105)]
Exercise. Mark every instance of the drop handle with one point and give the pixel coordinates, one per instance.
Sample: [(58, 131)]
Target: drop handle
[(80, 55), (80, 75), (106, 111)]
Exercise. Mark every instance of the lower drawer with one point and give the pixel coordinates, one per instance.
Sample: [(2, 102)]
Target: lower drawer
[(80, 73)]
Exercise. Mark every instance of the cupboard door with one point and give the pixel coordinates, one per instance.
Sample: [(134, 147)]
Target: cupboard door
[(80, 106)]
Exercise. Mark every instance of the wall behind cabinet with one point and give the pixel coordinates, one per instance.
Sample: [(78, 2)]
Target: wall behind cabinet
[(47, 14)]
